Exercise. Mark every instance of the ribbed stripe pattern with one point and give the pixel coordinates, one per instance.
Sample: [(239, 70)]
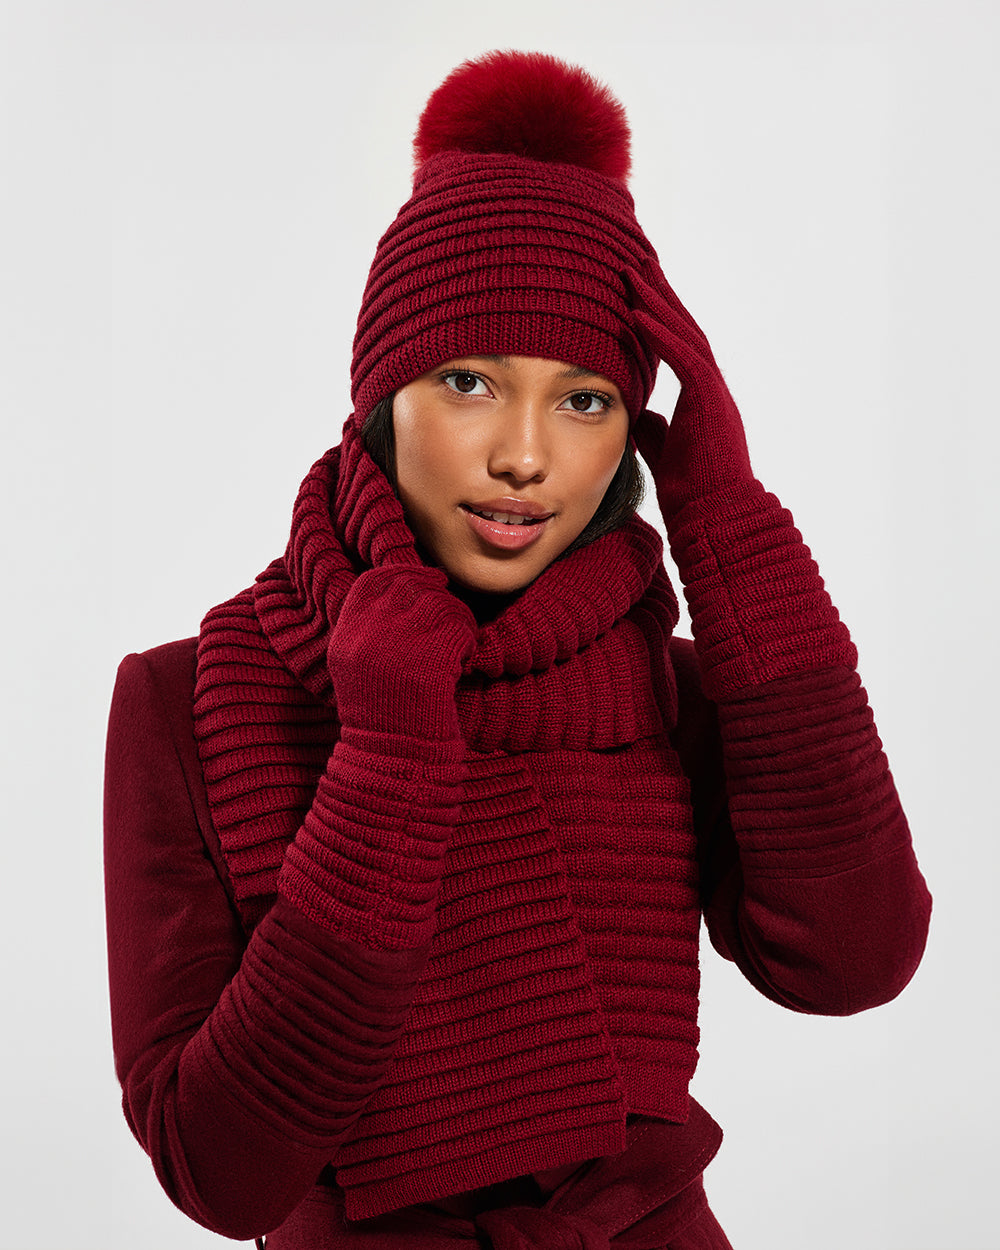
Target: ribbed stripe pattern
[(623, 826), (757, 602), (502, 254), (821, 800), (273, 1048), (497, 848), (506, 1062), (368, 858), (262, 756)]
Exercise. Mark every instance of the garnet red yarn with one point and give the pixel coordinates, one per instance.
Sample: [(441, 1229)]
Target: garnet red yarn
[(526, 104)]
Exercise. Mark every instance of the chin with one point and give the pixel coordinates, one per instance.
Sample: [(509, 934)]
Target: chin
[(503, 580)]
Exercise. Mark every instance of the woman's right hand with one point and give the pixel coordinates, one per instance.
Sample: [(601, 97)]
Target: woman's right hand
[(397, 651)]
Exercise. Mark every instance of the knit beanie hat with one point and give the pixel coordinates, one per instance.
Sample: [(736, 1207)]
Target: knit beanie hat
[(516, 237)]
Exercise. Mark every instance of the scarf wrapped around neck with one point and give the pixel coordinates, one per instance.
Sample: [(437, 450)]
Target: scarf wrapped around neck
[(560, 990)]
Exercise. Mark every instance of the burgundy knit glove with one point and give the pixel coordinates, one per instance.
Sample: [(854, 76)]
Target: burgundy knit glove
[(703, 450), (396, 653), (367, 861), (758, 607)]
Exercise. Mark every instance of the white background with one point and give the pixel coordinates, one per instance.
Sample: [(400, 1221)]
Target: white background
[(190, 196)]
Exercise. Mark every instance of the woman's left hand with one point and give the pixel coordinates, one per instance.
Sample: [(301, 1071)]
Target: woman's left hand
[(758, 607), (703, 449)]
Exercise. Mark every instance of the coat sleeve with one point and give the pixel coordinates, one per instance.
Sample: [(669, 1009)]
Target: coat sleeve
[(809, 880), (242, 1064)]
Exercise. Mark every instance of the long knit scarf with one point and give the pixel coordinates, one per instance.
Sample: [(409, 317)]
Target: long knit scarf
[(561, 986)]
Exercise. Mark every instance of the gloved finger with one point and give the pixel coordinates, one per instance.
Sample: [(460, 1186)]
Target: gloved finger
[(654, 296), (685, 359)]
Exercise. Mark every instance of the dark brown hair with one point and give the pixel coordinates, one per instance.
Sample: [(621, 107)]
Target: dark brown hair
[(621, 499)]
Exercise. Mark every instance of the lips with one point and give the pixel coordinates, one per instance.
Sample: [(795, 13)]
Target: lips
[(506, 518), (507, 524)]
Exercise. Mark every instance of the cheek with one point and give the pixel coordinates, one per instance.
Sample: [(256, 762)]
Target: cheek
[(421, 466), (598, 468), (430, 460), (434, 451), (414, 454)]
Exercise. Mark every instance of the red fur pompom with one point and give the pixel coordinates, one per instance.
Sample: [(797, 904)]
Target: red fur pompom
[(529, 104)]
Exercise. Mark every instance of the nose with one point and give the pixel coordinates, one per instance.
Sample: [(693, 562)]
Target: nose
[(520, 451)]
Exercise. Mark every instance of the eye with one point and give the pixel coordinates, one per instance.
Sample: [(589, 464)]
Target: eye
[(465, 383), (590, 403)]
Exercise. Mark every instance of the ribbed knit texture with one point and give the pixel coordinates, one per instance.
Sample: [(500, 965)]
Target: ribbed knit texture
[(506, 1056), (758, 606), (646, 1197), (528, 1039), (633, 885), (838, 792), (352, 1008), (558, 891), (368, 859), (502, 254)]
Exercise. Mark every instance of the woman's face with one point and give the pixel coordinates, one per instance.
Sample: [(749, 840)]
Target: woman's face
[(501, 461)]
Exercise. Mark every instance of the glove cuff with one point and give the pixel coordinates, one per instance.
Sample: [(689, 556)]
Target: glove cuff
[(758, 606), (416, 705), (367, 862)]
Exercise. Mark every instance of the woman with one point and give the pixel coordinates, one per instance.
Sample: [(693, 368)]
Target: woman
[(408, 851)]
